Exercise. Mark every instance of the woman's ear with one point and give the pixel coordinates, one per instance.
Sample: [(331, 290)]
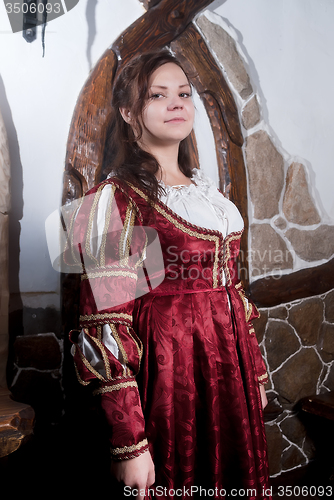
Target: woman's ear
[(126, 114)]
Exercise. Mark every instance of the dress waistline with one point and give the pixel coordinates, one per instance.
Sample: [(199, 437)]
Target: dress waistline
[(185, 291)]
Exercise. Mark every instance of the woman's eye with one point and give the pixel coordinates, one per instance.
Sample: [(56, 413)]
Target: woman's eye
[(156, 96), (185, 94)]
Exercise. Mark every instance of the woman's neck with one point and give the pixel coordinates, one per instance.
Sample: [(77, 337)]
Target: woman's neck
[(167, 157)]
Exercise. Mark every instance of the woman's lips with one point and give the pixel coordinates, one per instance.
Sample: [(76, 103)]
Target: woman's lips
[(176, 120)]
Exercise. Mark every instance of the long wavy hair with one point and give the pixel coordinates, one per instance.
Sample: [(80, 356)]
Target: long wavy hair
[(125, 159)]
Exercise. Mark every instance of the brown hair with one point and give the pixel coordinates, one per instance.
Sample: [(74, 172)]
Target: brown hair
[(126, 160)]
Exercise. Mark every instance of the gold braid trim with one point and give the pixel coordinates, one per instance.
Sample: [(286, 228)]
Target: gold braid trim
[(138, 345), (102, 350), (126, 235), (182, 224), (70, 233), (90, 222), (106, 226), (82, 382), (121, 348), (106, 316), (129, 449), (116, 387), (262, 377), (99, 332), (109, 274), (90, 368), (247, 305), (231, 237)]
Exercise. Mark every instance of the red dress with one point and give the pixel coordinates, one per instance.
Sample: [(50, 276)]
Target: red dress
[(172, 346)]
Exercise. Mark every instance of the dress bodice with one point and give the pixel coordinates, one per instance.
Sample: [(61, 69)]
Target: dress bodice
[(201, 203)]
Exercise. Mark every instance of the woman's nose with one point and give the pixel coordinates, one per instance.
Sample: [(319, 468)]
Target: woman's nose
[(175, 103)]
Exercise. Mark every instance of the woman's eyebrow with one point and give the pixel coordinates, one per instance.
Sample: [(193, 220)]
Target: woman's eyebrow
[(164, 87)]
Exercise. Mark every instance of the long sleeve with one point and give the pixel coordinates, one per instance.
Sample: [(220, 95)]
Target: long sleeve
[(251, 312), (108, 239)]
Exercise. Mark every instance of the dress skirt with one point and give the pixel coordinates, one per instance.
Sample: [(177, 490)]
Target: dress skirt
[(200, 396)]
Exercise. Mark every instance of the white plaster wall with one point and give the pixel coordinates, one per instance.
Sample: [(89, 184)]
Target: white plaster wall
[(288, 48), (37, 98)]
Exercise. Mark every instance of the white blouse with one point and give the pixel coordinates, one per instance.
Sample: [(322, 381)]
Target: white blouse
[(202, 204)]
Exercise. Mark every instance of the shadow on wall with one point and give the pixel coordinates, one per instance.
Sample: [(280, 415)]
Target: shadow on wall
[(16, 213), (90, 17)]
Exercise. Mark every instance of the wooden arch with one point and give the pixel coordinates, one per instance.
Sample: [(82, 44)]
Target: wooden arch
[(169, 22), (166, 23)]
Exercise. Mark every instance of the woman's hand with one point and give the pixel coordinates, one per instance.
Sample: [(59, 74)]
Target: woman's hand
[(264, 399), (136, 472)]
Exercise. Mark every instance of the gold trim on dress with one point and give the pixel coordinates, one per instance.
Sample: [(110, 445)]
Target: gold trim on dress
[(90, 223), (106, 227), (116, 387), (106, 316), (182, 224), (90, 368), (129, 449), (248, 307), (126, 370), (229, 238), (70, 232), (139, 345), (102, 350), (82, 382), (126, 235), (263, 377), (109, 274)]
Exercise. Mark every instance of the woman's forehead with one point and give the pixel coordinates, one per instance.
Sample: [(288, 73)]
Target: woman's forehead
[(168, 74)]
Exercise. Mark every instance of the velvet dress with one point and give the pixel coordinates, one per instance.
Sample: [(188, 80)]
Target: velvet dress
[(166, 336)]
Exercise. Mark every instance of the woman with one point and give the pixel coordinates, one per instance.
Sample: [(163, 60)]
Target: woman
[(171, 347)]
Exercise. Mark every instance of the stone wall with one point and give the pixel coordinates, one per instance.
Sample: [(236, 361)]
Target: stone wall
[(286, 226), (286, 223), (297, 341)]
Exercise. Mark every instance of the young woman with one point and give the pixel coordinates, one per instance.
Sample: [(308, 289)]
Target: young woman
[(171, 347)]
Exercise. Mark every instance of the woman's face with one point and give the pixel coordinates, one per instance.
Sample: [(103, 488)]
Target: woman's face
[(168, 116)]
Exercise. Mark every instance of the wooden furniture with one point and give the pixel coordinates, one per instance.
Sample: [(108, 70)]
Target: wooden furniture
[(321, 405), (320, 410), (16, 423)]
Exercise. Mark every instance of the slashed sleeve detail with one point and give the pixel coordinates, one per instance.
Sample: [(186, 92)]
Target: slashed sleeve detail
[(110, 241)]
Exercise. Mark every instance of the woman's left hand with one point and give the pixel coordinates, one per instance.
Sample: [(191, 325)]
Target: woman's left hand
[(264, 399)]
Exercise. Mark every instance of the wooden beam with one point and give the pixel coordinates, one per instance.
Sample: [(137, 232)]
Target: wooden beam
[(157, 28), (272, 291)]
